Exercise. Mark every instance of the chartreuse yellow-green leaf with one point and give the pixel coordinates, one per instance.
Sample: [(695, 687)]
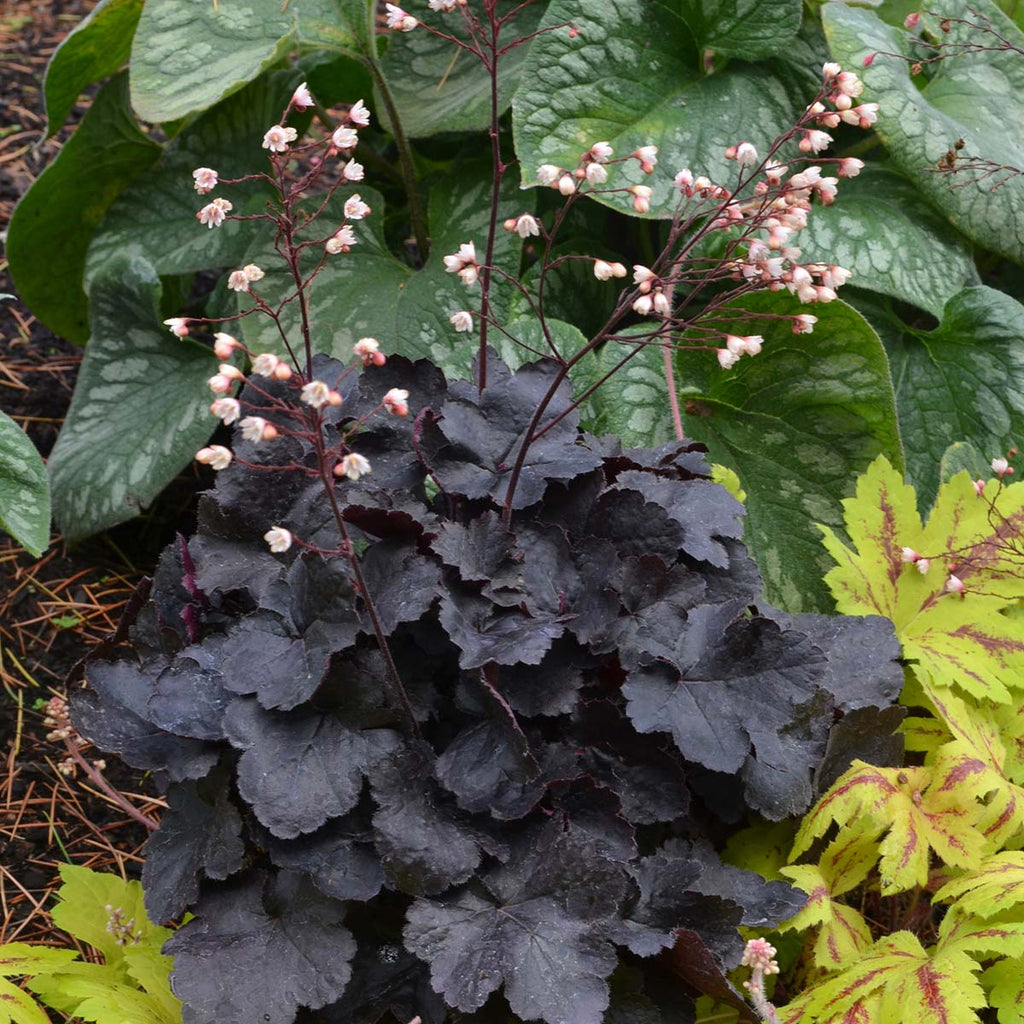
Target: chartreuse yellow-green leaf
[(893, 982), (992, 888), (918, 809), (952, 640), (1004, 981), (843, 934), (18, 960)]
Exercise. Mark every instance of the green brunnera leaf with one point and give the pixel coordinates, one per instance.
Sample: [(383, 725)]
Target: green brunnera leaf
[(56, 218), (894, 242), (24, 491), (977, 97), (139, 409), (742, 28), (633, 402), (367, 292), (797, 423), (156, 217), (958, 382), (437, 87), (96, 48), (632, 77), (188, 54)]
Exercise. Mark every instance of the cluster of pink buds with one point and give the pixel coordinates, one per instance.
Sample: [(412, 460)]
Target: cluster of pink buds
[(910, 556), (464, 264), (759, 956), (58, 719)]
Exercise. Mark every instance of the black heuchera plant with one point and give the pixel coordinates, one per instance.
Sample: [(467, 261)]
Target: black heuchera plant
[(591, 697)]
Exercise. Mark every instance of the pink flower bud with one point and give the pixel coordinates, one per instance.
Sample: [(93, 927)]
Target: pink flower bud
[(219, 384), (923, 565), (908, 555), (226, 409), (265, 364), (282, 372), (912, 20), (641, 198), (954, 585), (368, 351), (548, 174), (1001, 467), (869, 60), (979, 487), (850, 167), (596, 174), (253, 428), (231, 372), (396, 402), (301, 98), (648, 157), (566, 185), (216, 456), (746, 154), (398, 19), (178, 326), (224, 345), (601, 151)]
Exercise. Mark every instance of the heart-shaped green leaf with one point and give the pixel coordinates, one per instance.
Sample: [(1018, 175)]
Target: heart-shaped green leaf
[(739, 28), (188, 54), (53, 223), (24, 490), (139, 409), (632, 77), (976, 97), (797, 423), (958, 382), (97, 47)]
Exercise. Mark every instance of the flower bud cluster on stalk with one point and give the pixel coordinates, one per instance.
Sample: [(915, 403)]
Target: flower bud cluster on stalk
[(759, 212)]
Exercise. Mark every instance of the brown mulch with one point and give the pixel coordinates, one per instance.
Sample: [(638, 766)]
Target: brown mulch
[(55, 608)]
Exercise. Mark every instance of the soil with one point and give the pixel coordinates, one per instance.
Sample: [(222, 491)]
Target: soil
[(52, 610)]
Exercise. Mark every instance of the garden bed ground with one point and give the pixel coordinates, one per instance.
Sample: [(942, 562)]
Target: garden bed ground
[(51, 610)]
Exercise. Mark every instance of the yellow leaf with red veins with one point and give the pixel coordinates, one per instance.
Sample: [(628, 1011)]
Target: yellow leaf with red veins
[(919, 809), (995, 886), (953, 639)]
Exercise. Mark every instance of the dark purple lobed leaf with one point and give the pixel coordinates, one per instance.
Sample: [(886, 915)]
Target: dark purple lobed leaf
[(200, 835), (542, 932), (300, 769), (402, 584), (259, 949)]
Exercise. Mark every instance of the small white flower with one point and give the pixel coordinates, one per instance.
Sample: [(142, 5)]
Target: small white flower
[(354, 466), (396, 402), (605, 271), (641, 198), (849, 84), (648, 157), (219, 384), (205, 179), (954, 585), (567, 184), (276, 139), (178, 326), (368, 351), (399, 20), (863, 116), (345, 138), (279, 539), (661, 303), (226, 409), (355, 208), (803, 323), (253, 427), (596, 174), (726, 359), (237, 281), (461, 321), (1000, 466), (746, 154), (527, 225), (643, 305), (216, 456), (850, 167), (908, 555), (684, 181), (301, 98), (830, 70), (642, 274), (214, 212), (923, 565), (341, 240), (353, 171), (316, 393), (805, 178), (548, 174), (465, 257), (442, 5), (814, 141), (601, 151), (252, 272), (358, 114), (265, 364)]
